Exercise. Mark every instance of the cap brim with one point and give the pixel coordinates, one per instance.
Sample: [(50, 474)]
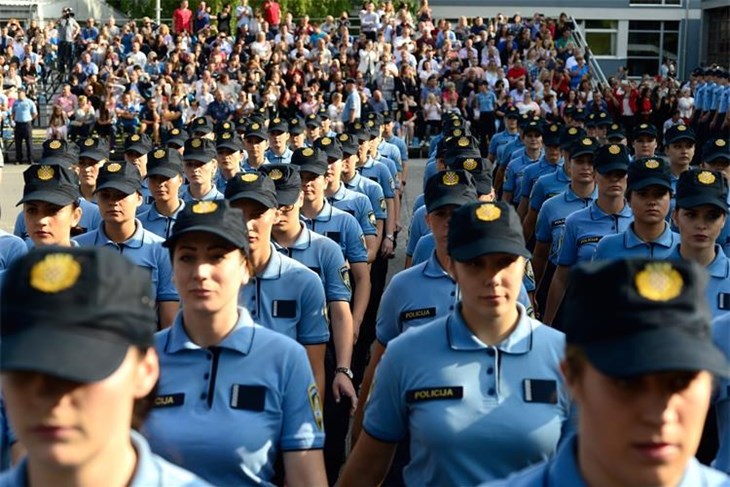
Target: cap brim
[(214, 230), (486, 246), (287, 196), (252, 196), (63, 351), (645, 183), (582, 153), (446, 200), (138, 148), (124, 187), (682, 137), (614, 166), (313, 170), (717, 158), (226, 145), (198, 158), (52, 197), (659, 350), (94, 154), (702, 199), (164, 171)]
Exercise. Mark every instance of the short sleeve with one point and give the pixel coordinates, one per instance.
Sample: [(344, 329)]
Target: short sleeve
[(166, 290), (356, 249), (568, 252), (386, 415), (313, 327), (542, 227)]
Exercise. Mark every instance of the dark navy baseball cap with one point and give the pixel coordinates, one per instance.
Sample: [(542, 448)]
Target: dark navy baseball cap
[(649, 171), (698, 187), (122, 176), (229, 140), (164, 162), (331, 147), (139, 143), (278, 125), (201, 126), (214, 217), (480, 169), (570, 135), (93, 148), (612, 157), (296, 126), (53, 184), (310, 159), (74, 312), (585, 145), (716, 150), (348, 143), (645, 129), (645, 316), (551, 135), (255, 186), (287, 181), (679, 132), (449, 188), (200, 150), (176, 138)]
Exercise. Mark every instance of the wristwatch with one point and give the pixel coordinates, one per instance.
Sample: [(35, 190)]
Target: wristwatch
[(390, 237), (346, 371)]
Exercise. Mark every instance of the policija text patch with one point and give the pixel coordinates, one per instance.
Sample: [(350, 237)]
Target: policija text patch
[(434, 394)]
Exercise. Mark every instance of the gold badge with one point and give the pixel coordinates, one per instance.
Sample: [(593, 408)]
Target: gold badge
[(113, 167), (457, 133), (276, 120), (175, 132), (470, 164), (659, 281), (457, 123), (294, 122), (614, 127), (344, 138), (450, 178), (325, 141), (371, 124), (275, 174), (226, 125), (135, 138), (316, 404), (720, 143), (308, 152), (159, 154), (644, 126), (45, 173), (488, 212), (89, 142), (463, 142), (681, 128), (706, 177), (55, 144), (249, 177), (615, 150), (572, 131), (201, 121), (255, 126), (203, 207), (651, 164), (357, 126), (226, 136), (553, 128), (196, 143), (55, 273), (602, 115), (587, 141)]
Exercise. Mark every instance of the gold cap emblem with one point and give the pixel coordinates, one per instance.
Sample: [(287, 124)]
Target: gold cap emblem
[(202, 207), (614, 149), (463, 142), (55, 273), (45, 173), (572, 131), (614, 126), (358, 126), (488, 212), (587, 141), (226, 125), (276, 120), (325, 141), (201, 121), (55, 144), (308, 152), (275, 174), (553, 128), (371, 124), (457, 123), (255, 126), (457, 133), (344, 138), (89, 142), (294, 122), (135, 138), (113, 167), (659, 281), (470, 164), (226, 136), (681, 128), (706, 177), (720, 143), (450, 178), (249, 177), (196, 143), (644, 126), (175, 132), (159, 154), (651, 164)]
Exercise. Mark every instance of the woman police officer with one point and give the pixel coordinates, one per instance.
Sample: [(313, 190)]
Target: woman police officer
[(232, 394), (78, 367), (481, 383), (640, 374)]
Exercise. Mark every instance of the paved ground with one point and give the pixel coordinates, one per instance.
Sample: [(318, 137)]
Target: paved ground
[(11, 189)]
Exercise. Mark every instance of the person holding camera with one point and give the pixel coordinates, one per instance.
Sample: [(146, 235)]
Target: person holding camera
[(68, 29)]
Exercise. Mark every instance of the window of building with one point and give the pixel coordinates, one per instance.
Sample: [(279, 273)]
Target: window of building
[(601, 36), (672, 3), (649, 43)]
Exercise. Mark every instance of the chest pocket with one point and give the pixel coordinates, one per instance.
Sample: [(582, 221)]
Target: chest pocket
[(284, 308)]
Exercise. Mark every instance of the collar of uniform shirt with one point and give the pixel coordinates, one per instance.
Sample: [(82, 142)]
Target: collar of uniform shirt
[(517, 343), (238, 340)]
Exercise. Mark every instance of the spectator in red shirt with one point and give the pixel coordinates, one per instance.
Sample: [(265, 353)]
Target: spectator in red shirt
[(182, 19), (272, 15), (516, 73)]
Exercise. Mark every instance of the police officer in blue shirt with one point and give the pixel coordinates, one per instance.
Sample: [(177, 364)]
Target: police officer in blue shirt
[(608, 214), (93, 152), (297, 133), (22, 113), (201, 127), (79, 370), (548, 164), (176, 139), (679, 145), (479, 390), (641, 375), (11, 247), (509, 134), (351, 201), (200, 165), (278, 151), (721, 399), (233, 395), (399, 143), (580, 192), (532, 139), (616, 134), (255, 141), (716, 156), (645, 141), (700, 216), (649, 191), (229, 155), (136, 147), (165, 176), (118, 192)]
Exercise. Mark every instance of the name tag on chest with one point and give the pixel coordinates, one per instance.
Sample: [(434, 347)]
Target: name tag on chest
[(723, 301), (284, 308), (416, 314), (540, 391), (169, 400), (434, 394), (248, 398)]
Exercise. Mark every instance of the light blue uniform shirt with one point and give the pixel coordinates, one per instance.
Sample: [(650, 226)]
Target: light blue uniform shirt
[(508, 150), (724, 100), (433, 144), (392, 168), (225, 412), (551, 218), (699, 95), (533, 172), (514, 174), (288, 298), (585, 228), (357, 205), (90, 220), (486, 101), (11, 247), (718, 284), (562, 471), (151, 470), (419, 202), (548, 186), (721, 337), (429, 171), (373, 191), (414, 297), (23, 110), (392, 152), (144, 249), (379, 172), (284, 158), (500, 139), (709, 93), (474, 412), (418, 229), (159, 224), (323, 257), (213, 195), (343, 229), (7, 437), (717, 95), (401, 145), (628, 245)]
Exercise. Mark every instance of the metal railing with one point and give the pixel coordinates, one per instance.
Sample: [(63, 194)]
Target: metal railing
[(597, 74)]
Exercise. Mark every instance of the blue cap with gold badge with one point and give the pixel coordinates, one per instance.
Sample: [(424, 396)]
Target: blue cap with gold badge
[(698, 187), (122, 176), (287, 181), (649, 171), (200, 150), (53, 184), (255, 186), (452, 187), (139, 143), (310, 159), (214, 217), (164, 162), (612, 157)]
